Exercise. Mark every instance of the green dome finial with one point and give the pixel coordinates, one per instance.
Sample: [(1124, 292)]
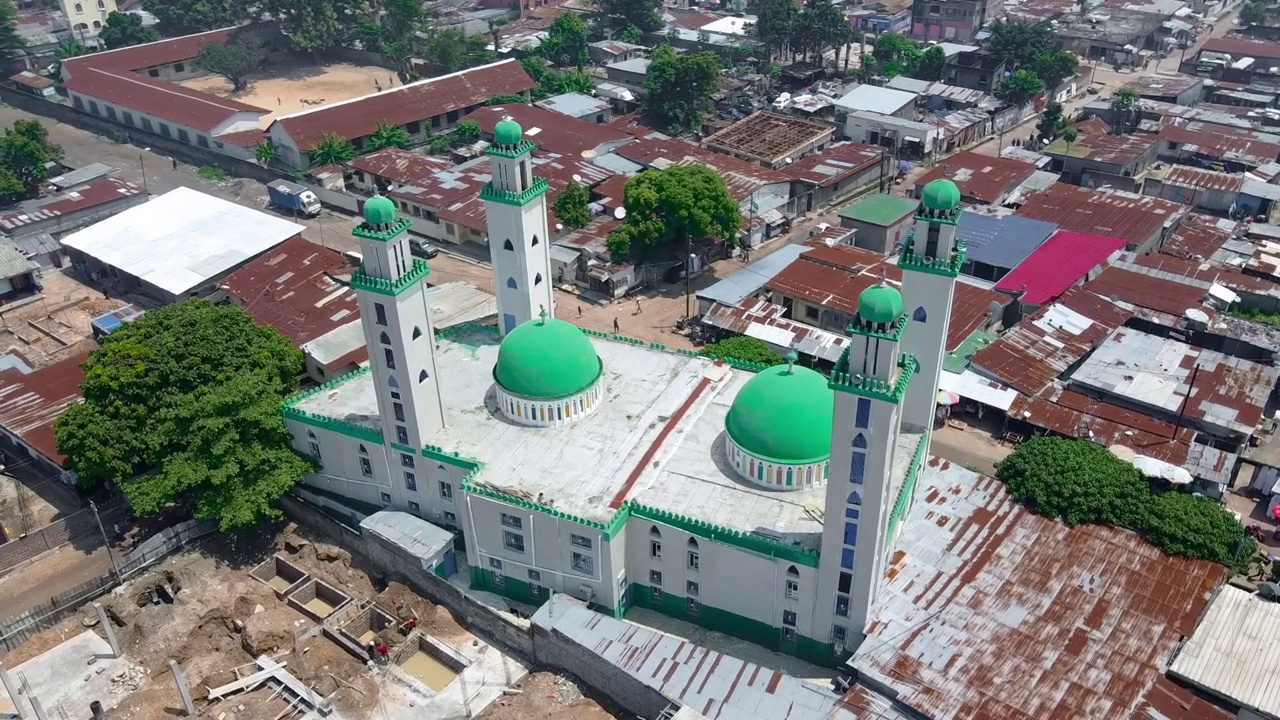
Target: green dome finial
[(941, 195), (880, 303), (784, 414), (507, 132), (379, 210)]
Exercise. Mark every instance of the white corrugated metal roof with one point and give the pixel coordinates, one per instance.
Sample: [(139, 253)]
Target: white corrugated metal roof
[(1234, 653), (182, 239)]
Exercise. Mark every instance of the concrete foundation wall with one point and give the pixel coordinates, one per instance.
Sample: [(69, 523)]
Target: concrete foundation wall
[(278, 566), (317, 590)]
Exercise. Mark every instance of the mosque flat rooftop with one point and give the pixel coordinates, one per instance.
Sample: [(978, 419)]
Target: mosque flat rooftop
[(580, 469)]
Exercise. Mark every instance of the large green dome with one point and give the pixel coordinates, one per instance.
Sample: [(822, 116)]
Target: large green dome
[(507, 132), (546, 360), (880, 304), (379, 210), (941, 195), (784, 414)]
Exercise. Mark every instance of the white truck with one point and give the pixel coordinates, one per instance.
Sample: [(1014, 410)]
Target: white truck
[(293, 197)]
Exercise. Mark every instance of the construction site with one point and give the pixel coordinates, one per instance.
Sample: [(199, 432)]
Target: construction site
[(278, 625)]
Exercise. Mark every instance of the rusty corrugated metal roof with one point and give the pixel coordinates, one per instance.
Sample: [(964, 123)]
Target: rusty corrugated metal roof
[(1165, 295), (31, 403), (983, 178), (1198, 237)]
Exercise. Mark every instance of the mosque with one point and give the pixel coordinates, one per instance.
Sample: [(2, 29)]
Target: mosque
[(760, 502)]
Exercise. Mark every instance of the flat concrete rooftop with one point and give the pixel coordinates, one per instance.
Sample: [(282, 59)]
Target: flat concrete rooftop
[(580, 469)]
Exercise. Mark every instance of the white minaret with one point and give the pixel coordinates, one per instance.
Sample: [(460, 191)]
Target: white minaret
[(930, 261), (392, 291), (519, 244), (870, 381)]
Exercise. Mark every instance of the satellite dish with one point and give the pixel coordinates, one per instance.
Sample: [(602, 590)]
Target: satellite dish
[(588, 154), (620, 213), (577, 178)]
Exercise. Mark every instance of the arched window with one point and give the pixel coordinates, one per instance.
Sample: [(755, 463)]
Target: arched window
[(693, 544), (920, 315), (363, 451), (97, 24), (793, 572), (392, 382), (311, 435), (511, 283), (422, 377), (855, 498), (860, 442), (385, 339), (654, 532), (79, 8), (537, 279), (535, 241), (506, 245)]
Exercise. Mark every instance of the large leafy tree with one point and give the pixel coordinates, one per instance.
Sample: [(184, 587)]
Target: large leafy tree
[(333, 149), (566, 42), (182, 407), (1019, 88), (234, 60), (317, 24), (1254, 12), (1084, 483), (819, 26), (746, 349), (1054, 67), (1125, 103), (183, 17), (775, 22), (387, 136), (678, 88), (1052, 121), (932, 65), (446, 50), (25, 151), (573, 206), (1021, 41), (10, 40), (897, 55), (644, 14), (672, 207), (125, 29)]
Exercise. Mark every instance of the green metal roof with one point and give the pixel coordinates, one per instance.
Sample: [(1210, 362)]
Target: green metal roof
[(784, 414), (957, 361), (546, 359), (880, 303), (941, 194), (883, 210)]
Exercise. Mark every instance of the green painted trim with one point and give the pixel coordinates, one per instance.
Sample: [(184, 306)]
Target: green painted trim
[(404, 449), (290, 411), (491, 194), (365, 232), (949, 267), (519, 502), (949, 219), (746, 541), (359, 506), (438, 454), (894, 333), (908, 488), (514, 152), (843, 381), (391, 288), (518, 589)]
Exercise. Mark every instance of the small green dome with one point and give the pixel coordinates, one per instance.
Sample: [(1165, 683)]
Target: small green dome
[(507, 132), (942, 195), (546, 360), (379, 210), (784, 414), (880, 304)]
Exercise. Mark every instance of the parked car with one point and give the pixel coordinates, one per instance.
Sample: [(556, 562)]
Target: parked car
[(423, 249)]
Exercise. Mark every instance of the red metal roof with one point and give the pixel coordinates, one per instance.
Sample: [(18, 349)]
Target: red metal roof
[(1111, 149), (1219, 142), (149, 55), (404, 104), (1228, 277), (1035, 352), (292, 289), (1093, 126), (1201, 179), (991, 612), (1198, 237), (31, 403), (983, 178), (1062, 261), (402, 166), (1150, 292), (1241, 48), (1133, 218), (1072, 414), (741, 177), (553, 131), (834, 164), (84, 197)]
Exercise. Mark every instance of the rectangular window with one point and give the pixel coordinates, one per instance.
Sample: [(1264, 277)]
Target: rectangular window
[(366, 467), (93, 107), (386, 498), (513, 541), (146, 124), (380, 313), (164, 130), (410, 481), (414, 127), (446, 491), (111, 113), (789, 618), (584, 564), (450, 518), (537, 591), (395, 395), (846, 558), (655, 549), (842, 605), (402, 435), (202, 141), (128, 117), (793, 590), (838, 633), (495, 564), (655, 577), (415, 507), (77, 101), (499, 580), (184, 136), (513, 521), (389, 355), (810, 312), (656, 593), (863, 414), (691, 588), (179, 67), (850, 533), (846, 580), (693, 560), (580, 541), (315, 449), (788, 634), (535, 576), (852, 513), (693, 606), (858, 468), (406, 460), (398, 409)]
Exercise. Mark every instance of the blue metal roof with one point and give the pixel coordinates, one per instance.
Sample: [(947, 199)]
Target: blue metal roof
[(746, 282), (1002, 242)]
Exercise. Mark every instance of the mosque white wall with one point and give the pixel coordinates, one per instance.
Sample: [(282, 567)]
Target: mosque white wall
[(341, 471), (554, 413)]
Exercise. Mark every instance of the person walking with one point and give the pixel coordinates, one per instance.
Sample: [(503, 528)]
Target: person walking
[(175, 162), (615, 326), (579, 311), (638, 306)]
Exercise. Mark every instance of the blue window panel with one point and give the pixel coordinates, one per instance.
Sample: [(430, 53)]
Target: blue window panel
[(863, 419), (850, 533), (920, 315), (511, 283), (852, 513), (842, 606), (860, 441), (509, 322), (855, 498), (846, 559), (858, 468)]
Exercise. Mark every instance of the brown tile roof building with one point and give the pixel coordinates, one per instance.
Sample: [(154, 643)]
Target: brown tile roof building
[(981, 178), (31, 403), (553, 131), (1139, 220)]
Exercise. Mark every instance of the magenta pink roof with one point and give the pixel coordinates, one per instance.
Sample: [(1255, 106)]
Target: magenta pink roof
[(1062, 261)]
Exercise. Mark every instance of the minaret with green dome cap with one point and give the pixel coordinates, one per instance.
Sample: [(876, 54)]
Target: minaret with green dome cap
[(930, 261), (391, 289), (519, 241), (871, 380)]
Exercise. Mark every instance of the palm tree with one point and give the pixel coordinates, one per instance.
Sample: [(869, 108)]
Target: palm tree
[(265, 152), (1070, 136), (333, 149), (495, 32), (1124, 103), (387, 135)]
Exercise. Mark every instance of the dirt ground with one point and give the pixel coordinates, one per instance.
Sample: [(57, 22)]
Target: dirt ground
[(547, 696), (287, 88), (25, 508), (53, 326)]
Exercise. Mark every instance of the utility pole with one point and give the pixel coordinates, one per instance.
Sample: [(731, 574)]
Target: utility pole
[(1182, 406), (143, 167), (114, 567)]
